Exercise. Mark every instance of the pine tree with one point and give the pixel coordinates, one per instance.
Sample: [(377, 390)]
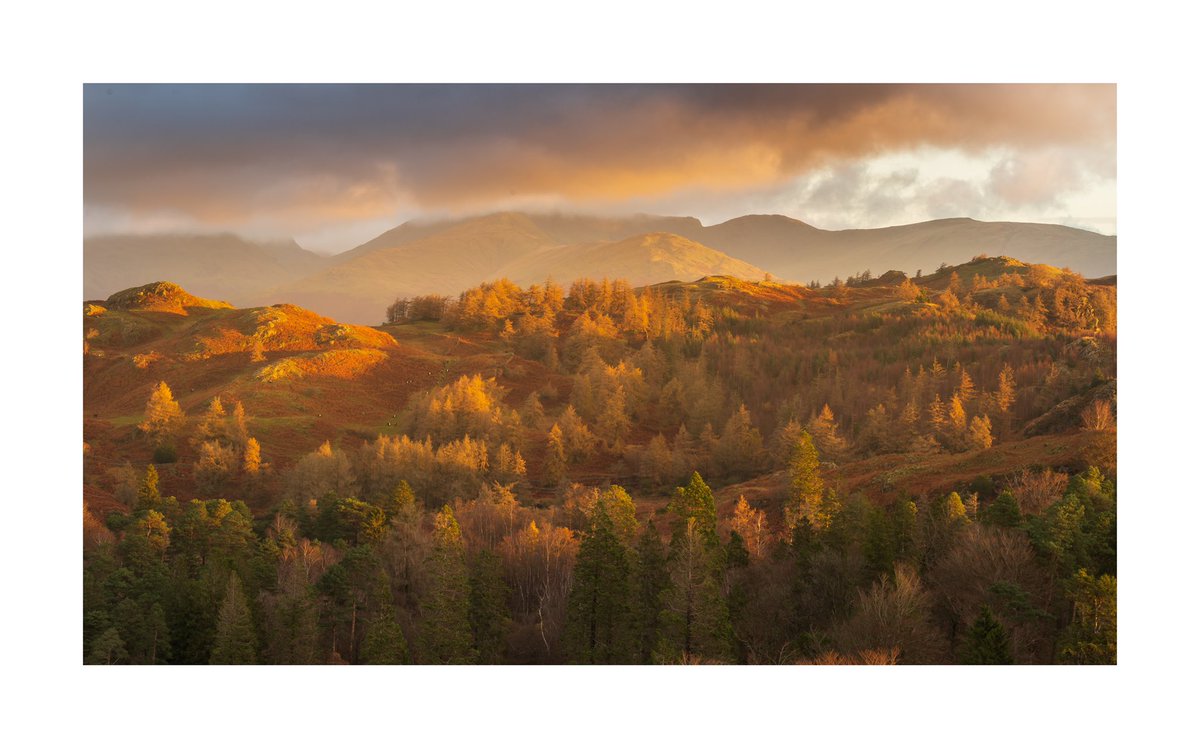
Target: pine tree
[(108, 648), (158, 635), (987, 642), (650, 579), (737, 555), (694, 625), (488, 607), (1004, 511), (163, 415), (808, 488), (446, 637), (695, 501), (598, 610), (402, 501), (1091, 639), (384, 643), (235, 642)]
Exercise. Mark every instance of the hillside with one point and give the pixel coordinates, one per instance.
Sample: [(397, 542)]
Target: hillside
[(223, 266), (361, 287), (954, 434), (642, 260), (449, 256), (311, 378)]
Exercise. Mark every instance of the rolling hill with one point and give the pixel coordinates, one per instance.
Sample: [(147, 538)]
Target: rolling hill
[(643, 259), (794, 250), (223, 266), (525, 249), (447, 257)]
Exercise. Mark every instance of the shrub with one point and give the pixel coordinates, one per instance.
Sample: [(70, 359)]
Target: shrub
[(165, 454)]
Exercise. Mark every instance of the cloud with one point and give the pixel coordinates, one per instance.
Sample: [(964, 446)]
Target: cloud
[(303, 156)]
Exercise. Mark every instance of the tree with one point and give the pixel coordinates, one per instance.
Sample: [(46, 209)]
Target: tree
[(808, 488), (895, 612), (237, 427), (108, 648), (650, 579), (613, 421), (1091, 639), (1006, 389), (751, 525), (957, 416), (966, 387), (212, 425), (1004, 511), (148, 494), (824, 432), (987, 642), (598, 612), (740, 449), (235, 642), (578, 440), (215, 463), (384, 643), (446, 636), (252, 456), (555, 465), (146, 541), (488, 607), (163, 416), (980, 434), (402, 502), (695, 501), (657, 462), (694, 625), (1098, 416)]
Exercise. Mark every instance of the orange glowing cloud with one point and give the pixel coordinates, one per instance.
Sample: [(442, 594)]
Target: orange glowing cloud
[(311, 155)]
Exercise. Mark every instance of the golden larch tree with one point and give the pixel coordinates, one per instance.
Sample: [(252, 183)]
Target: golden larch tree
[(163, 415)]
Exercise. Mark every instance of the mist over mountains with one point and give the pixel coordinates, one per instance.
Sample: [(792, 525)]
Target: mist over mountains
[(446, 257)]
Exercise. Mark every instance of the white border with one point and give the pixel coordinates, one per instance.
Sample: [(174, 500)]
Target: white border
[(51, 50)]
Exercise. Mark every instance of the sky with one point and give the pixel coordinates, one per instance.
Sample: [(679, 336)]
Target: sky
[(335, 165)]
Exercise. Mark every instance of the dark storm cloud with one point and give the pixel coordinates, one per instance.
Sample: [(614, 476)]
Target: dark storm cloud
[(317, 153)]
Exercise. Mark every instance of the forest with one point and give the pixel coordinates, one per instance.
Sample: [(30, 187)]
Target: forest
[(879, 470)]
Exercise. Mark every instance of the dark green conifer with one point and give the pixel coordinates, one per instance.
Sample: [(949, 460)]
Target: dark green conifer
[(488, 607), (1003, 512), (987, 642), (384, 643), (598, 608), (650, 579), (446, 637), (235, 640)]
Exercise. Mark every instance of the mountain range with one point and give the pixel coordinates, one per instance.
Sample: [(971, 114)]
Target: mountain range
[(446, 257)]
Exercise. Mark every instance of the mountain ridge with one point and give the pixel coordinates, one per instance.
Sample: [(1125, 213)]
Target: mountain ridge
[(450, 255)]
